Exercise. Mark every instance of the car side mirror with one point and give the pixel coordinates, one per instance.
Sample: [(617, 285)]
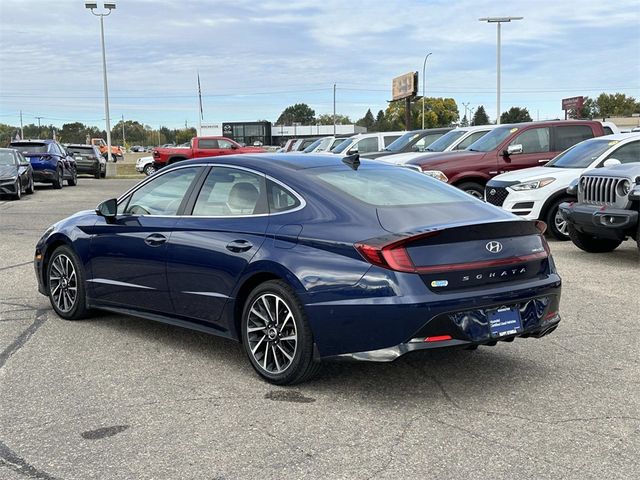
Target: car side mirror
[(611, 162), (234, 146), (352, 151), (108, 209), (572, 189), (513, 150)]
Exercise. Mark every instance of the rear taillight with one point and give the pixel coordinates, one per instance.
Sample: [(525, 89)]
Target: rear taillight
[(392, 255)]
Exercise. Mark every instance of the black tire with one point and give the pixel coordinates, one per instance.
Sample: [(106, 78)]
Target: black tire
[(297, 360), (592, 244), (149, 169), (30, 188), (638, 238), (98, 172), (73, 181), (58, 183), (472, 188), (60, 291), (18, 194), (558, 227)]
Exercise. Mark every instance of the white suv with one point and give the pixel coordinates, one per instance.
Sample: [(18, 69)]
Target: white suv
[(366, 143), (457, 139), (535, 193)]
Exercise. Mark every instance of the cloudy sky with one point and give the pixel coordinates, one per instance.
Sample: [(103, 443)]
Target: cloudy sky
[(257, 57)]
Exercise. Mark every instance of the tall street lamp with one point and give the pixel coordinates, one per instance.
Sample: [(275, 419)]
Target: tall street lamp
[(108, 6), (424, 83), (498, 21)]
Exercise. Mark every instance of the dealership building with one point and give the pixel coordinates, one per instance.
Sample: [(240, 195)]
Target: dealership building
[(264, 133)]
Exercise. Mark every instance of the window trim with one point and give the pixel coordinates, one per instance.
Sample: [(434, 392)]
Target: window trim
[(550, 137), (556, 141), (195, 187)]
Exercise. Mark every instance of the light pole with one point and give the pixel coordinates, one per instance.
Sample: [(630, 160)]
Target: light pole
[(498, 21), (424, 82), (108, 6)]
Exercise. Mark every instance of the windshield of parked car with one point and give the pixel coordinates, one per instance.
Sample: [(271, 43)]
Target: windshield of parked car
[(30, 147), (312, 147), (491, 140), (399, 144), (6, 158), (342, 146), (441, 144), (388, 186), (581, 155)]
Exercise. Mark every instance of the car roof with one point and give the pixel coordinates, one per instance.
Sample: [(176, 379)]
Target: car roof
[(472, 128), (33, 140)]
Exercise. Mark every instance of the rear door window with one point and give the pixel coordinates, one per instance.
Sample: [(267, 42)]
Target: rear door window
[(280, 199), (389, 139), (207, 144), (367, 145), (567, 136), (534, 140), (229, 192)]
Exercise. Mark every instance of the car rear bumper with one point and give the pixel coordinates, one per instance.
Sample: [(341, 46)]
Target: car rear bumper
[(44, 175), (604, 222), (87, 167), (384, 328)]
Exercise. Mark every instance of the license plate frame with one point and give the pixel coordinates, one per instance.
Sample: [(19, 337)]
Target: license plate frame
[(504, 321)]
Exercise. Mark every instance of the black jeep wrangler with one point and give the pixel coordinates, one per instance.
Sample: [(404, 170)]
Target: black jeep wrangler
[(606, 212)]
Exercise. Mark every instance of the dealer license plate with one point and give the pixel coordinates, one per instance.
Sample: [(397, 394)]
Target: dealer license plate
[(504, 321)]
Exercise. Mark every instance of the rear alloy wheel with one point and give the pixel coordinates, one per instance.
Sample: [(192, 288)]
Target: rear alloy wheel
[(18, 194), (277, 336), (66, 285), (558, 226), (149, 169), (58, 182), (592, 244), (30, 188), (73, 181), (473, 189)]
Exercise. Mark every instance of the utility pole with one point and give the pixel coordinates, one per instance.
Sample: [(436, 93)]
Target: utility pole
[(21, 129), (39, 126), (424, 82), (124, 143), (334, 109), (466, 105)]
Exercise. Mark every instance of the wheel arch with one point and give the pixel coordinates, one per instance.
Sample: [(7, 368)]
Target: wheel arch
[(553, 198), (50, 247), (474, 177)]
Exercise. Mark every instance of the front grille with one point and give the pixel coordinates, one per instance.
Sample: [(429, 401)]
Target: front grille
[(496, 195), (601, 191)]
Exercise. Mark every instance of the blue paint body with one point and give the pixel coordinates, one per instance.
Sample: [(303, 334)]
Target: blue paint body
[(352, 306), (46, 164)]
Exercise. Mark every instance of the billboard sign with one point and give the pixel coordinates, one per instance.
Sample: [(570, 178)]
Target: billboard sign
[(404, 86), (573, 103)]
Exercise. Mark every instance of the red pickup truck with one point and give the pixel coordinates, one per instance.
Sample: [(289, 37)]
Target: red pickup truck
[(200, 147), (506, 148)]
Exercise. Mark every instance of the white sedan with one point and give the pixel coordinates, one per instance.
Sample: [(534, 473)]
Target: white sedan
[(535, 193)]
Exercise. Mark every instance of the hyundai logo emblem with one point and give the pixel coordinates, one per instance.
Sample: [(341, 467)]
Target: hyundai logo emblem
[(494, 247), (492, 191)]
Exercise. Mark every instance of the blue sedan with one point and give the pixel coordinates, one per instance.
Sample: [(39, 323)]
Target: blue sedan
[(306, 257)]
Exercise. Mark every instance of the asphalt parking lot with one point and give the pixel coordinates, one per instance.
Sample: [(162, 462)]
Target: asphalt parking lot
[(116, 397)]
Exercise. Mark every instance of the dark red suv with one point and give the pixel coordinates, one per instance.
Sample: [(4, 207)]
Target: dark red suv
[(506, 148)]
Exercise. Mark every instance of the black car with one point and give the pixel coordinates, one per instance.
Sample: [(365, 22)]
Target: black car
[(413, 141), (16, 174), (88, 159), (607, 209)]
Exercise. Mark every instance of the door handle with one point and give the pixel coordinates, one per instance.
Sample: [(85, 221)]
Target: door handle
[(544, 161), (155, 240), (238, 246)]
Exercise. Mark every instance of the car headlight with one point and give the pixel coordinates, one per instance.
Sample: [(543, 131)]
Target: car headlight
[(624, 187), (533, 184), (436, 174)]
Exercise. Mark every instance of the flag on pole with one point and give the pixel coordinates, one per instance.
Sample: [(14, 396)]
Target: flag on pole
[(200, 98)]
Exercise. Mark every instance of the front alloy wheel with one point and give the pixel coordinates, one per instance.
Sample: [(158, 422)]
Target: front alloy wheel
[(276, 335), (65, 280)]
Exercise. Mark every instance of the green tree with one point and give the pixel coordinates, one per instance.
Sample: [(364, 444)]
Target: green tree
[(368, 121), (465, 121), (480, 117), (300, 112), (589, 110), (380, 124), (438, 112), (616, 105), (515, 115), (185, 135), (327, 119)]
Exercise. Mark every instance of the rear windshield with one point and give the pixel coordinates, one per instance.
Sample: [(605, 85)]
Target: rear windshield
[(342, 146), (445, 141), (581, 155), (81, 150), (406, 139), (30, 147), (311, 147), (491, 140), (389, 186)]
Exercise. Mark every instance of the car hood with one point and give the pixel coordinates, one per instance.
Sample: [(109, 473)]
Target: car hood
[(445, 157), (402, 158), (8, 171), (562, 175)]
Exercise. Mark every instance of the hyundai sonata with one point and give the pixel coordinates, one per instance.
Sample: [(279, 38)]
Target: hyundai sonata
[(306, 257)]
